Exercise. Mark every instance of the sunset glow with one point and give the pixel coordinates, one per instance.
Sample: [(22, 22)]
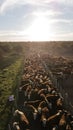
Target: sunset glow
[(36, 20), (40, 29)]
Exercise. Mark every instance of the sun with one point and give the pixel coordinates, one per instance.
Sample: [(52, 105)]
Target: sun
[(39, 30)]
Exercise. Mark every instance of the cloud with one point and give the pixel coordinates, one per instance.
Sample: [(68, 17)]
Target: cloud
[(66, 2), (57, 17), (24, 36), (67, 21), (47, 13), (8, 4), (13, 35), (67, 36)]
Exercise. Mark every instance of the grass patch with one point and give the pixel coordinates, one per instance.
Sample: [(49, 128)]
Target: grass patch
[(9, 80)]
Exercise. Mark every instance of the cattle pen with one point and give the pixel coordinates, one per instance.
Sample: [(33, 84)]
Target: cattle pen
[(41, 105)]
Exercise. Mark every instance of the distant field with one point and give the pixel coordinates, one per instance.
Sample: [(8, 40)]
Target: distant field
[(54, 48)]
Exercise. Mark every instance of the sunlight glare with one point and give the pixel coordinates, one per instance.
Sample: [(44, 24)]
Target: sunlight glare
[(40, 29)]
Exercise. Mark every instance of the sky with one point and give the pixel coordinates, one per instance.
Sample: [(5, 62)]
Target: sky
[(36, 20)]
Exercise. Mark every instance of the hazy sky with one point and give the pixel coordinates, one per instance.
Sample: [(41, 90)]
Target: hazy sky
[(36, 20)]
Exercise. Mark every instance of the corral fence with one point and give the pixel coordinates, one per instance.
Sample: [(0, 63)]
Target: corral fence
[(58, 83)]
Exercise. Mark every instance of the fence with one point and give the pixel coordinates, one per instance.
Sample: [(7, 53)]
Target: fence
[(58, 83)]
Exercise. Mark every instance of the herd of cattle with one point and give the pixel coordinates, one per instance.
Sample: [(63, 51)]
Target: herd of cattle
[(41, 105)]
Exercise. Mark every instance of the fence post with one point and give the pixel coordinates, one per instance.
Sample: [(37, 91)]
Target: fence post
[(9, 127)]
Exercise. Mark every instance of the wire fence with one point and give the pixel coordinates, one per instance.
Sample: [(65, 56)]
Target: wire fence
[(58, 83), (67, 99)]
